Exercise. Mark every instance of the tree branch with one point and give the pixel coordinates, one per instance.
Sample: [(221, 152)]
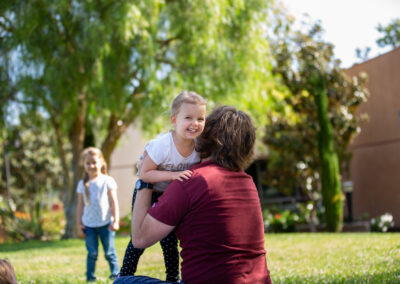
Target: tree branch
[(167, 41), (9, 28)]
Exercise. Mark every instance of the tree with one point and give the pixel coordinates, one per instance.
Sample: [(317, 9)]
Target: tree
[(390, 34), (105, 63), (35, 174), (363, 54), (390, 37), (316, 120)]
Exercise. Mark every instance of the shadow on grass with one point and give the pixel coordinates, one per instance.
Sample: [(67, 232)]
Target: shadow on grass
[(37, 244), (384, 277)]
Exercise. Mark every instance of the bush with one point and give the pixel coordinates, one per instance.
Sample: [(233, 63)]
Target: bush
[(382, 223), (284, 221), (53, 222), (125, 225), (24, 224)]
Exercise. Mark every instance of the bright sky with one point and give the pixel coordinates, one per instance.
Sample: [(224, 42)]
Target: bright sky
[(348, 24)]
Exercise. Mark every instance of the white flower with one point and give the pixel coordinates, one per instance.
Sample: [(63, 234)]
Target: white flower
[(387, 217), (301, 166), (383, 222)]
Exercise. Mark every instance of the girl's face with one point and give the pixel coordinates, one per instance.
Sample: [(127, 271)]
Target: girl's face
[(189, 122), (92, 165)]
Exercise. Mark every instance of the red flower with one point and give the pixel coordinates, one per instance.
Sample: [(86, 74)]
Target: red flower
[(277, 216), (55, 207)]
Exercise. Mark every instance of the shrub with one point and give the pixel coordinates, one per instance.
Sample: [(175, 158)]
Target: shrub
[(125, 225), (382, 223), (284, 221)]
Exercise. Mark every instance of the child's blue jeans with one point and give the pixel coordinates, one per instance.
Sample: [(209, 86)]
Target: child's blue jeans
[(92, 245)]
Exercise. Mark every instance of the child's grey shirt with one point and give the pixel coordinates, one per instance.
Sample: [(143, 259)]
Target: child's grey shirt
[(98, 212)]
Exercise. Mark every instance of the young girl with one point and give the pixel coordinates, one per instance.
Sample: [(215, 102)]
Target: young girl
[(166, 158), (97, 211)]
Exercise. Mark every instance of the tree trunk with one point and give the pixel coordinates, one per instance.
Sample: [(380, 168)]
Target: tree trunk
[(114, 133), (61, 152), (330, 177), (77, 137), (10, 202)]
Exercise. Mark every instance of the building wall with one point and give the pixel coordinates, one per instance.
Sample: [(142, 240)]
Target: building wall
[(375, 167), (123, 166)]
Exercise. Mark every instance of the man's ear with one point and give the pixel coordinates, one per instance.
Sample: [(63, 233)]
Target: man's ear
[(173, 119)]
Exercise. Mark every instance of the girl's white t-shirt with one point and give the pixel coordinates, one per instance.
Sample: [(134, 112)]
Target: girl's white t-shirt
[(163, 152), (97, 213)]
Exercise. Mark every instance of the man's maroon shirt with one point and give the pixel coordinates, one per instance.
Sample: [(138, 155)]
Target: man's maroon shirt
[(218, 220)]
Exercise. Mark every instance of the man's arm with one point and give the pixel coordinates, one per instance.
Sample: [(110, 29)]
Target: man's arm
[(146, 230)]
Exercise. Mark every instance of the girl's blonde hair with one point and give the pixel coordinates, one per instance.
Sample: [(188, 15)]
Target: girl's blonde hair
[(186, 97), (94, 152)]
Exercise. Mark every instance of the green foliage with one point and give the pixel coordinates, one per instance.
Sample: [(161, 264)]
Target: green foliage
[(35, 178), (363, 54), (382, 223), (332, 196), (282, 221), (53, 221), (307, 69), (125, 225), (390, 34), (318, 258), (390, 37), (100, 65)]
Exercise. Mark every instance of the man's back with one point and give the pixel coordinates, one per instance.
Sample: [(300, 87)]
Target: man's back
[(221, 232)]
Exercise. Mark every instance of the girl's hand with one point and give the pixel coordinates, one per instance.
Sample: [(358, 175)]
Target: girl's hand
[(181, 175), (114, 226)]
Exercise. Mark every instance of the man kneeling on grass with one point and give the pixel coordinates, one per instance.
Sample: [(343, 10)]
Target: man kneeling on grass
[(216, 212)]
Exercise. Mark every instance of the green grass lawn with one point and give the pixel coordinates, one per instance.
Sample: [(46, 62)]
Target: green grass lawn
[(292, 258)]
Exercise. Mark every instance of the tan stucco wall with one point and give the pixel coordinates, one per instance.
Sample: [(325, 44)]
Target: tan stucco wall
[(375, 167), (123, 164)]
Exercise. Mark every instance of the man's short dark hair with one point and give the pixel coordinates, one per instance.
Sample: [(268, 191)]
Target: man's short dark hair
[(228, 138)]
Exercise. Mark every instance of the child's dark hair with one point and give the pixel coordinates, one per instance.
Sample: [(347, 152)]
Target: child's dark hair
[(228, 138), (92, 151), (7, 274), (186, 97)]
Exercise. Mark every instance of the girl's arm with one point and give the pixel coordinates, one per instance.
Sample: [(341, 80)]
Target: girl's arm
[(79, 213), (112, 197), (148, 172)]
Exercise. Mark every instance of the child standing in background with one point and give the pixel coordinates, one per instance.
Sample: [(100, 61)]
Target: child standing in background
[(97, 211), (167, 158)]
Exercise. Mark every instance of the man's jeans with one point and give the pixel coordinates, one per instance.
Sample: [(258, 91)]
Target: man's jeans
[(140, 280), (92, 244)]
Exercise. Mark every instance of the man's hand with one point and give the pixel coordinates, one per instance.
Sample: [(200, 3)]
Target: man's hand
[(181, 175)]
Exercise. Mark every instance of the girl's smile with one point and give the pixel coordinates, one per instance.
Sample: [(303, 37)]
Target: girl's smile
[(92, 166), (189, 122)]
